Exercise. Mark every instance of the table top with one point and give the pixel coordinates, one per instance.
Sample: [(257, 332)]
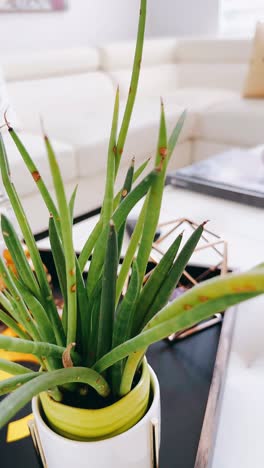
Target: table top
[(242, 226)]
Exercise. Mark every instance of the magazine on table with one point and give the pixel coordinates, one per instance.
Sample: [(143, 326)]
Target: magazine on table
[(236, 175)]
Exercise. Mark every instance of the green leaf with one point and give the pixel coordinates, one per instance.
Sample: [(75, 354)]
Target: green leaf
[(32, 168), (197, 304), (108, 203), (133, 83), (154, 283), (126, 189), (119, 218), (37, 348), (67, 243), (83, 313), (21, 311), (126, 309), (136, 175), (107, 309), (17, 400), (38, 313), (123, 323), (154, 200), (175, 134), (31, 244), (72, 203), (13, 368), (131, 250), (89, 244), (167, 327), (8, 320), (13, 383), (18, 256), (171, 280), (58, 257), (94, 306)]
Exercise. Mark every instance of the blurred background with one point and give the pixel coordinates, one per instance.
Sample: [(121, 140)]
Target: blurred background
[(85, 22)]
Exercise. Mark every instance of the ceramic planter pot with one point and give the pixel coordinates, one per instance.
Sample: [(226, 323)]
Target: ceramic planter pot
[(113, 437)]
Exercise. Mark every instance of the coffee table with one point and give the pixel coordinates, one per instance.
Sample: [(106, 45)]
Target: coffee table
[(241, 226)]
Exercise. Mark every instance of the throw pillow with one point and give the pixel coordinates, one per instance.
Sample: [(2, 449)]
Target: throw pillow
[(254, 85)]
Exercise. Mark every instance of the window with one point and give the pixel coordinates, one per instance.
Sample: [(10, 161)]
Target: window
[(239, 17)]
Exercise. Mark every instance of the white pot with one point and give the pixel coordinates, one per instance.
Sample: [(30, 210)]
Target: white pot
[(131, 449)]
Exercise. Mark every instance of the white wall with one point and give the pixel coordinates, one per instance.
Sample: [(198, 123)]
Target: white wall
[(98, 21), (183, 17), (86, 22)]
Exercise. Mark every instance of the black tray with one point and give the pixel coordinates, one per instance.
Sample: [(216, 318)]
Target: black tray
[(184, 370)]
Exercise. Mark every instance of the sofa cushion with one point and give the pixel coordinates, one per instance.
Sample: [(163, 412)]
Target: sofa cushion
[(167, 78), (36, 148), (120, 55), (197, 99), (154, 80), (89, 135), (33, 65), (254, 85), (203, 62), (235, 121), (60, 97), (212, 50), (212, 75)]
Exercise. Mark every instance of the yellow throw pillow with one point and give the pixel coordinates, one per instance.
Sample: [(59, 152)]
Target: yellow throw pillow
[(254, 85)]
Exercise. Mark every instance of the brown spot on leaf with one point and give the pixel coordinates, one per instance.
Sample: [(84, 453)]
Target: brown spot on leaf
[(249, 288), (36, 176), (73, 288), (163, 151), (203, 298), (187, 307), (124, 193)]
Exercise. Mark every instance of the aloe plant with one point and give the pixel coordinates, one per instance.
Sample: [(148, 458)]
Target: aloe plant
[(104, 332)]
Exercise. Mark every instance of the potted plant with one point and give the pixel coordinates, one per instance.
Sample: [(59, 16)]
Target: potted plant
[(94, 395)]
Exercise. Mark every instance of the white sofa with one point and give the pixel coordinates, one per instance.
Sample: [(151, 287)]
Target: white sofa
[(73, 91)]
